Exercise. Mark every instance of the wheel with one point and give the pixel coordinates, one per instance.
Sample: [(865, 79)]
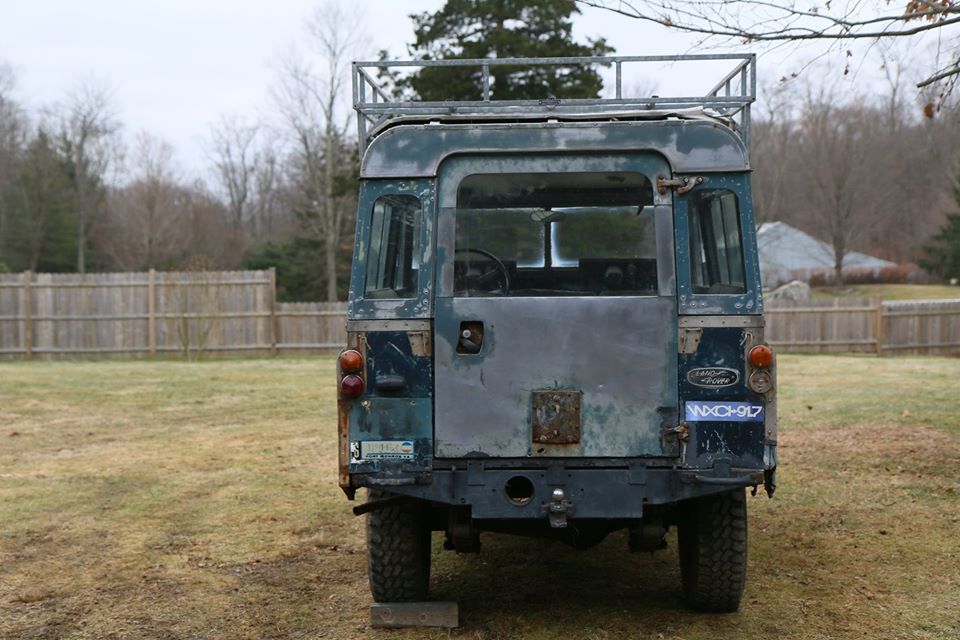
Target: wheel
[(398, 551), (495, 273), (712, 536)]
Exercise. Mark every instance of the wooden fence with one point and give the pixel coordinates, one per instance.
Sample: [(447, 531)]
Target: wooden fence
[(64, 315), (67, 315), (909, 327)]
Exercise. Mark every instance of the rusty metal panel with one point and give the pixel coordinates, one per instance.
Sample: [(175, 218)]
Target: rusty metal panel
[(620, 353), (556, 416), (689, 146)]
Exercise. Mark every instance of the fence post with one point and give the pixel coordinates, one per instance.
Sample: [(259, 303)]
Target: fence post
[(27, 315), (273, 311), (879, 325), (152, 311)]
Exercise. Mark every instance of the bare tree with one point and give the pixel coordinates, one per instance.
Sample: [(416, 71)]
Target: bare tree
[(247, 167), (212, 241), (87, 137), (233, 145), (777, 21), (156, 219), (268, 185), (772, 138), (310, 98), (145, 224), (846, 190)]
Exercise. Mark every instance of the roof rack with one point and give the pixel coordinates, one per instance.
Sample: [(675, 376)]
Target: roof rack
[(729, 99)]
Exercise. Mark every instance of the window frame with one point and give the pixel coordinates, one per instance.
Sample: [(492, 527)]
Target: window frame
[(455, 169), (379, 260), (360, 307), (722, 264), (748, 302)]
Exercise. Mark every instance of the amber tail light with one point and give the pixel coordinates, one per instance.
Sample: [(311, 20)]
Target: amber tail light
[(351, 361), (761, 356)]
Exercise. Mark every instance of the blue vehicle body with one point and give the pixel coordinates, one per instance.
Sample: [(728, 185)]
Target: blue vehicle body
[(516, 392)]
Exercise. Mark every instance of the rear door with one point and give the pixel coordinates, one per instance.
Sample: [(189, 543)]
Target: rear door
[(555, 309)]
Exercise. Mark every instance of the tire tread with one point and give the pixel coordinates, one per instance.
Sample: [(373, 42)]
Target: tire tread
[(713, 552), (398, 552)]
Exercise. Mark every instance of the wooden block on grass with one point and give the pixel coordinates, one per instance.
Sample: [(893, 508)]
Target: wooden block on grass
[(415, 614)]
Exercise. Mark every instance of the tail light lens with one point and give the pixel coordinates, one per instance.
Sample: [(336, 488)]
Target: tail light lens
[(351, 386), (761, 356), (351, 361)]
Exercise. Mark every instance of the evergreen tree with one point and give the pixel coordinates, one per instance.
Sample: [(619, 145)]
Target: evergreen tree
[(502, 29), (42, 233), (942, 255)]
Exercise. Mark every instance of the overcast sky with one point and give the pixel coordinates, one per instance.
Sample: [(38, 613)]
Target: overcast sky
[(175, 66)]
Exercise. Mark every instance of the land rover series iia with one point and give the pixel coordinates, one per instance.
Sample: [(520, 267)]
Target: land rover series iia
[(555, 326)]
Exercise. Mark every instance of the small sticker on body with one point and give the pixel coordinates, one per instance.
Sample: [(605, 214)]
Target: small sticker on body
[(382, 450), (705, 411)]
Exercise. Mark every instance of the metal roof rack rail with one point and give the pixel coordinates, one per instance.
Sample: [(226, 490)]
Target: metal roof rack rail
[(729, 99)]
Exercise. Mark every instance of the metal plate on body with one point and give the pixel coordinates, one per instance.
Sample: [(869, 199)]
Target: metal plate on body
[(556, 416)]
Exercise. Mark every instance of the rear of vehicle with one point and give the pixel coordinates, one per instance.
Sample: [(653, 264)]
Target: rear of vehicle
[(555, 329)]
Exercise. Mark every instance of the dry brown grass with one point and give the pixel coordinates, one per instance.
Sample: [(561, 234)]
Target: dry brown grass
[(173, 500)]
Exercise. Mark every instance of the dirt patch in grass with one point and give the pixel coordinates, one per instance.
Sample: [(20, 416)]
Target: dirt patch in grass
[(169, 500)]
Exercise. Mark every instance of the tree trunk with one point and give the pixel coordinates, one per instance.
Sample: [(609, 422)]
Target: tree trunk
[(330, 248), (81, 241), (839, 249), (330, 208)]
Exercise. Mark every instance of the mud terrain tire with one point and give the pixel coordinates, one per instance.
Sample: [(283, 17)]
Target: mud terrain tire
[(712, 537), (398, 551)]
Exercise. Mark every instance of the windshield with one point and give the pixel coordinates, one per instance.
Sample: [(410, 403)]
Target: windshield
[(558, 234)]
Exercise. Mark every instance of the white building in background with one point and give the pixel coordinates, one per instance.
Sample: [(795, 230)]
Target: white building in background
[(786, 254)]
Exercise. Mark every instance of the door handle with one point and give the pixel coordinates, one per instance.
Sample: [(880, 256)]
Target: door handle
[(470, 341)]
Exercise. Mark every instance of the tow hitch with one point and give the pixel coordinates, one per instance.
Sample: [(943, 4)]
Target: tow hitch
[(557, 509)]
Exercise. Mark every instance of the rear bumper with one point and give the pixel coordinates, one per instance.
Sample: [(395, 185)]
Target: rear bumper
[(592, 489)]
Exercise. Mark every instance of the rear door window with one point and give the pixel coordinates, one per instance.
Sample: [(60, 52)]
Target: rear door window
[(716, 247), (393, 263), (555, 234)]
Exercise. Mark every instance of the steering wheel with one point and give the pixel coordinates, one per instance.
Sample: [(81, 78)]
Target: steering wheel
[(497, 272)]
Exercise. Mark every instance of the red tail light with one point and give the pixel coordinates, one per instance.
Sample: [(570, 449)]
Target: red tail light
[(761, 356), (351, 386)]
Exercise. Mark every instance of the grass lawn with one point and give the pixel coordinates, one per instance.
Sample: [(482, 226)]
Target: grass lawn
[(889, 292), (199, 500)]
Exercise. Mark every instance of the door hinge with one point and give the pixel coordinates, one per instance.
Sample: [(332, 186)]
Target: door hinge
[(682, 185)]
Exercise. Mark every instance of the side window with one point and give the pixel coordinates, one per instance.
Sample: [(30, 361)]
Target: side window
[(393, 260), (716, 255)]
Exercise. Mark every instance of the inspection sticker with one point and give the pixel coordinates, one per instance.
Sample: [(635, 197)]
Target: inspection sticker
[(383, 450), (704, 411)]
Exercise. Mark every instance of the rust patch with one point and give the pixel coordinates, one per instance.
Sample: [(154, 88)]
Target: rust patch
[(556, 417)]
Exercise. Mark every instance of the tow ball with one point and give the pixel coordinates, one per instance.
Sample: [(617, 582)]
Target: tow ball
[(557, 509)]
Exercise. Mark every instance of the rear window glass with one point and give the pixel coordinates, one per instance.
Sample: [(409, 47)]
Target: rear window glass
[(557, 234), (393, 259), (716, 254)]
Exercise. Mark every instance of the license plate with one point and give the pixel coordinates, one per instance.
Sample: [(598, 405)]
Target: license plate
[(712, 411), (382, 450)]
